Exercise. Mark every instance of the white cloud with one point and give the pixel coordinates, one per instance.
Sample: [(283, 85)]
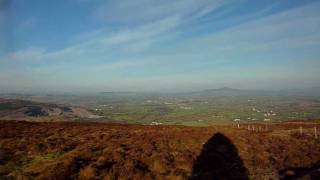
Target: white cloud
[(296, 28), (141, 11), (104, 55), (26, 55), (143, 32), (103, 44)]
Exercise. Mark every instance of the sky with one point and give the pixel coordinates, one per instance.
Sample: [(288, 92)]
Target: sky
[(151, 45)]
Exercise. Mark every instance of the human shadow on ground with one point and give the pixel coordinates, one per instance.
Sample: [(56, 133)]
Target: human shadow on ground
[(219, 159)]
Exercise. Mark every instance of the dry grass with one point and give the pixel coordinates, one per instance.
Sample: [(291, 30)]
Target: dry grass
[(66, 150)]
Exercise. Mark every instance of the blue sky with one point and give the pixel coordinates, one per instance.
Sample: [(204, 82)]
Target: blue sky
[(151, 45)]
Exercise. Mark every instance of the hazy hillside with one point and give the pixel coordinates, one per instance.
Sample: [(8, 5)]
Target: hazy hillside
[(14, 109)]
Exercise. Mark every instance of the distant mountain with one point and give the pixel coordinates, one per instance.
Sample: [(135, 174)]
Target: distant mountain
[(226, 91), (313, 91)]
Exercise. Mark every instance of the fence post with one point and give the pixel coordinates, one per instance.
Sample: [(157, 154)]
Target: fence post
[(300, 130), (315, 132)]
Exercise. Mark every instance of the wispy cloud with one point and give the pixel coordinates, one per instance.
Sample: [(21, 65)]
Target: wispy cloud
[(141, 11), (298, 25), (296, 28), (175, 42)]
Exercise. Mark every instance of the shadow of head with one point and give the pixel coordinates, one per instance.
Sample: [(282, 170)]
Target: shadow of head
[(219, 159)]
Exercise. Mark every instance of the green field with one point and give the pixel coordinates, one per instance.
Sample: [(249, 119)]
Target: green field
[(185, 110), (212, 110)]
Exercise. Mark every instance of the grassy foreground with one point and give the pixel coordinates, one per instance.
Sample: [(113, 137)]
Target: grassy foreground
[(69, 150)]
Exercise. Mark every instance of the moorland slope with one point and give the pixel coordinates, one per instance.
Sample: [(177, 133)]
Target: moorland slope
[(69, 150)]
